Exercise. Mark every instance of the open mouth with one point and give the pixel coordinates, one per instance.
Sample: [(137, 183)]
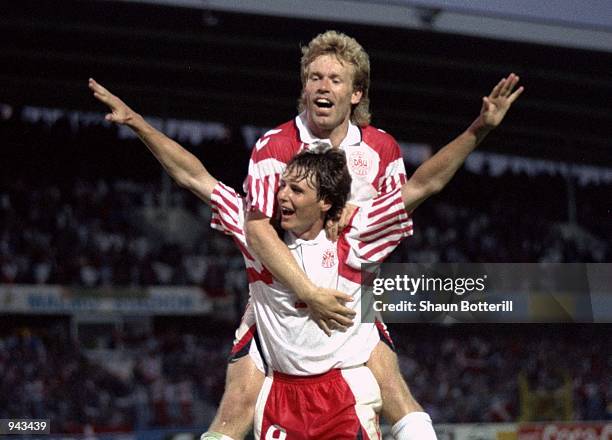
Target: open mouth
[(286, 211), (323, 103)]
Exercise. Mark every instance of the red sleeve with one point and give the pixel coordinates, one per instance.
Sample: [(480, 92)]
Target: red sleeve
[(268, 162), (377, 229), (394, 175), (227, 212), (392, 172)]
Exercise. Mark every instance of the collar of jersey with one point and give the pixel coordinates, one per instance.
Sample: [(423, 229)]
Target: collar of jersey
[(293, 242), (353, 135)]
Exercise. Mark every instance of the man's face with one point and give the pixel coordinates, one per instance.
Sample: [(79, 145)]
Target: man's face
[(301, 211), (328, 94)]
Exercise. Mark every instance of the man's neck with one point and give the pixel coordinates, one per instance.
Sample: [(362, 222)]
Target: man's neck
[(335, 136), (311, 233)]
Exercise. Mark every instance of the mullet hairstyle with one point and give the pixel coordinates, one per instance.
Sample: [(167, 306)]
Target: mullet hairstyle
[(348, 51), (327, 174)]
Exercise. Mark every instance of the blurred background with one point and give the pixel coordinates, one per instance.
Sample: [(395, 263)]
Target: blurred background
[(118, 303)]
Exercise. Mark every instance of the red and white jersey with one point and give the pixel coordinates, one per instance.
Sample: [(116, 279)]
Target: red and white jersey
[(290, 340), (373, 159)]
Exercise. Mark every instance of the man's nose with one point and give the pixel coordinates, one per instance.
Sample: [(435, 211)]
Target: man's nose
[(324, 85), (282, 193)]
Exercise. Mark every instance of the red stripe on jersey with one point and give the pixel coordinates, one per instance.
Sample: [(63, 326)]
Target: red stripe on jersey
[(263, 276), (388, 151), (379, 181), (249, 188), (402, 231), (395, 214), (382, 330), (246, 338), (229, 226), (243, 249), (381, 248), (264, 194), (382, 208), (259, 196), (221, 200), (223, 209), (228, 203), (403, 178), (393, 183), (281, 146), (383, 198), (233, 228), (372, 234), (278, 146), (344, 270), (271, 187)]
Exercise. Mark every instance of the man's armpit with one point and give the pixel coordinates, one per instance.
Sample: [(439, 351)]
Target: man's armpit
[(256, 216)]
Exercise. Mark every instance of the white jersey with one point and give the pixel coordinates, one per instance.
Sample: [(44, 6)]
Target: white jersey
[(290, 340)]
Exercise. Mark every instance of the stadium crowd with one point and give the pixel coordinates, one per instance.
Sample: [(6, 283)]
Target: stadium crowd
[(104, 233), (169, 379), (158, 380)]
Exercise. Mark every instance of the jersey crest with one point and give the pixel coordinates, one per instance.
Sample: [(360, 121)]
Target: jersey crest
[(359, 163), (329, 258)]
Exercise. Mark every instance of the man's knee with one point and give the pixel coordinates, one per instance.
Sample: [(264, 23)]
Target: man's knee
[(243, 381), (396, 396), (384, 366), (234, 416)]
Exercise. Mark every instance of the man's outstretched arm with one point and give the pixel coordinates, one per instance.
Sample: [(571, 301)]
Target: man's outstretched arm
[(433, 175), (181, 165)]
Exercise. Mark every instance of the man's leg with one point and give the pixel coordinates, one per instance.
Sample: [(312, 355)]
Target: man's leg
[(234, 417), (400, 409), (396, 396)]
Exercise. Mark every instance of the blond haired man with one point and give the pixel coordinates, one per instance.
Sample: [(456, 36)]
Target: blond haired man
[(334, 110)]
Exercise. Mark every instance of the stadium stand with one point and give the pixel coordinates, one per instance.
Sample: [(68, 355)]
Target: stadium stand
[(85, 208)]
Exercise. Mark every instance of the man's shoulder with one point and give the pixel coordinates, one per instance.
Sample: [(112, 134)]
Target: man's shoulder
[(377, 138), (285, 132), (280, 143)]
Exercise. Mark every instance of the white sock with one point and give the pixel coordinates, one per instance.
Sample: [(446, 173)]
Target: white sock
[(414, 426), (209, 435)]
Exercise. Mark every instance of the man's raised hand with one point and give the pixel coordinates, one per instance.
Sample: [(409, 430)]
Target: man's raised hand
[(496, 105), (120, 112)]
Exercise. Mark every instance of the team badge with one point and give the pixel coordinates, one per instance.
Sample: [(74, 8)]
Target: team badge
[(329, 258), (359, 163)]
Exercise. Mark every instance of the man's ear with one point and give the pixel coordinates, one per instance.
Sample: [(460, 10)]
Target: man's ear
[(325, 205), (356, 96)]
